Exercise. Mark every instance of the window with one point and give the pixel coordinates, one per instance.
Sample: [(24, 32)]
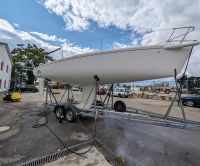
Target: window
[(1, 66), (7, 69), (5, 84), (117, 90)]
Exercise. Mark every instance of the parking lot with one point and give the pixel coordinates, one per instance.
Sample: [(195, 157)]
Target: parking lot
[(138, 144)]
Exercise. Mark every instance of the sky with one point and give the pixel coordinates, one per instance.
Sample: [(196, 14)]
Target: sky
[(80, 26)]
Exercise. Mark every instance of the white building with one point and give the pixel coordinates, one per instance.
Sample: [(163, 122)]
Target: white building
[(5, 67)]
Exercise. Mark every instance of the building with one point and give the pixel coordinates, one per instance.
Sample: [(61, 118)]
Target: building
[(5, 67), (191, 85)]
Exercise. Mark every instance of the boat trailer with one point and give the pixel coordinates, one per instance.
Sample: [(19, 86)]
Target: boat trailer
[(116, 111)]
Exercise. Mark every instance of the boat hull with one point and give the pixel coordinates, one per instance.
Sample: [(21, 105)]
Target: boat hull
[(117, 66)]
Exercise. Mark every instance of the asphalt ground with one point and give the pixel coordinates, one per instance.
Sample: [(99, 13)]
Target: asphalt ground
[(138, 144)]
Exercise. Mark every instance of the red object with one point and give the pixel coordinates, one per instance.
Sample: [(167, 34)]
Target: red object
[(96, 115), (101, 91)]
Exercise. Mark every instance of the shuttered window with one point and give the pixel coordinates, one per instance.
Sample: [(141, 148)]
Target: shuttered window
[(5, 84), (7, 69), (1, 66)]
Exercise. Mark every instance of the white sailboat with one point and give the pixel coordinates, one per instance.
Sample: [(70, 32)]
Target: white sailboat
[(116, 66), (120, 65)]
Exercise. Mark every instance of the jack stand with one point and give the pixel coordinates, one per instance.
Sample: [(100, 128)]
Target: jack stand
[(109, 94), (49, 93), (178, 94)]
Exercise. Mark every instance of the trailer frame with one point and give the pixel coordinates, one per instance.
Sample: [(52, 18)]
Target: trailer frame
[(132, 115)]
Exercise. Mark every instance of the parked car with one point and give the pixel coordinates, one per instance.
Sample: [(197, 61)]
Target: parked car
[(75, 88), (24, 89), (122, 92), (191, 101)]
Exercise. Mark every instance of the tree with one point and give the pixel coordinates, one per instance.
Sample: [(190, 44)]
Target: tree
[(25, 59)]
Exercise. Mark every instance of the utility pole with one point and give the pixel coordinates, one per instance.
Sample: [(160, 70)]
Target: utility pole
[(101, 43)]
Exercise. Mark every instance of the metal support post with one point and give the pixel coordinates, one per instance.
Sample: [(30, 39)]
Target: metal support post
[(68, 87), (51, 92), (47, 90), (112, 97), (63, 94), (178, 93), (50, 97), (110, 93)]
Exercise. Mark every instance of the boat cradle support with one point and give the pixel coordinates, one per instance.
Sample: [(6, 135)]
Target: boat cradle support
[(132, 115)]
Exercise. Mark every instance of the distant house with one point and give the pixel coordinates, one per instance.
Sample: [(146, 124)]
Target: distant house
[(5, 67)]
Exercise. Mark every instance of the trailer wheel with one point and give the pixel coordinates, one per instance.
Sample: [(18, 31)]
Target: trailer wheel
[(119, 106), (70, 115), (190, 103), (59, 110)]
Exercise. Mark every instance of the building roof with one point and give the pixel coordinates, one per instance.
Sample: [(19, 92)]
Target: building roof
[(8, 51)]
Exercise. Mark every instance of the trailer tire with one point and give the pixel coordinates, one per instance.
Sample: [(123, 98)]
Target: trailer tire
[(120, 106), (190, 103), (59, 110), (70, 115)]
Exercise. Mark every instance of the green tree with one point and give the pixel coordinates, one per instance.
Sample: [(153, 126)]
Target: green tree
[(25, 59)]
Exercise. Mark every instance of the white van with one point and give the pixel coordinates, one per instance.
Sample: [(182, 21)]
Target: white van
[(122, 92)]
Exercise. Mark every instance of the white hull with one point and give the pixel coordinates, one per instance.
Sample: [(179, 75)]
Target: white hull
[(117, 66)]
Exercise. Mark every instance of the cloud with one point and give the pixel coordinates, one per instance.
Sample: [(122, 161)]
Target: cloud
[(70, 49), (16, 25), (140, 15), (194, 63), (12, 36), (120, 45), (48, 37), (6, 26), (152, 19)]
